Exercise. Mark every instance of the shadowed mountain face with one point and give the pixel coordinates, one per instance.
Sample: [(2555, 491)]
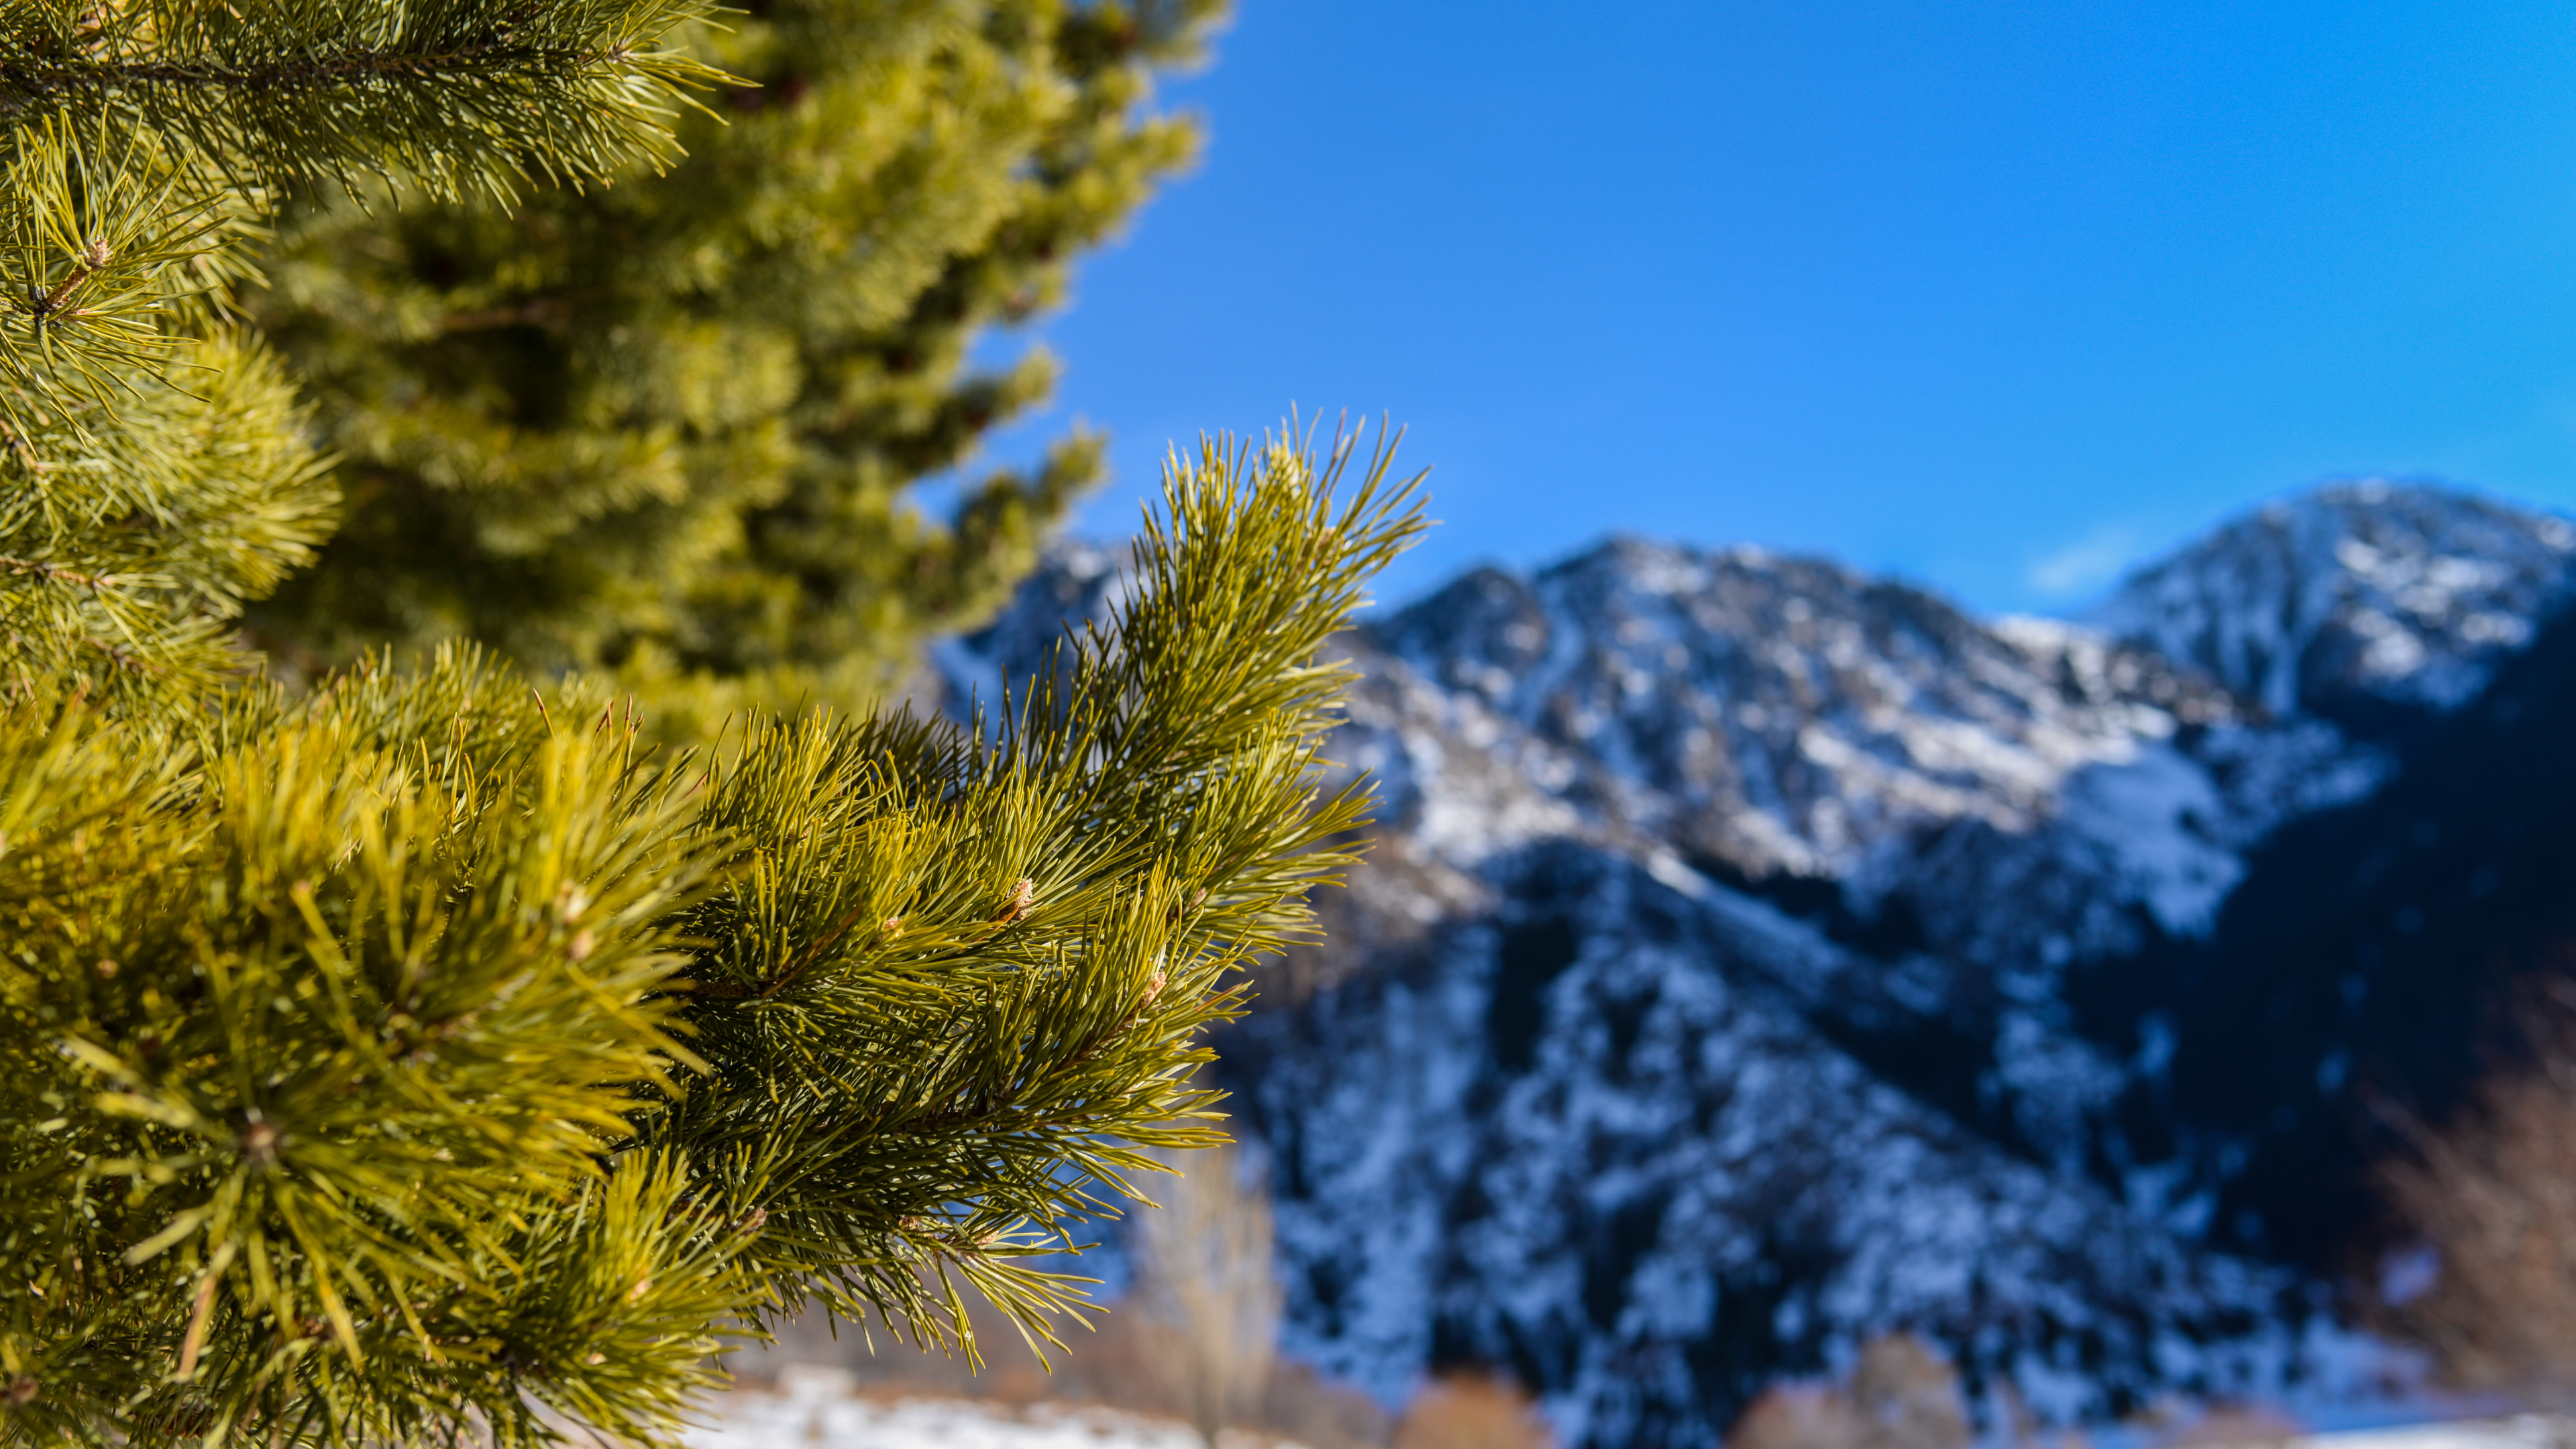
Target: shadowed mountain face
[(2370, 963), (1757, 956)]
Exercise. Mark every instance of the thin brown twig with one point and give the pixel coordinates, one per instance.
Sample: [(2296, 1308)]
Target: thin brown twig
[(49, 572), (196, 1339)]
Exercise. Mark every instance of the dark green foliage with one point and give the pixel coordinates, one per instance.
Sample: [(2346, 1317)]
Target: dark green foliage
[(667, 427)]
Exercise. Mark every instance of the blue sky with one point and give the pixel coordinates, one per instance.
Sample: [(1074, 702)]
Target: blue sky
[(1999, 297)]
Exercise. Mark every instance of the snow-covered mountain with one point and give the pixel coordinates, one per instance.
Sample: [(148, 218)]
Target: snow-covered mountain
[(1758, 955), (1784, 714), (2364, 592)]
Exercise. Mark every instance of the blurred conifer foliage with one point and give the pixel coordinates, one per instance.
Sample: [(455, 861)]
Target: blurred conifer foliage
[(669, 426), (423, 1055)]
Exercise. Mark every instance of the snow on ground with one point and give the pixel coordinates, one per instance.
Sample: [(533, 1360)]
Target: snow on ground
[(815, 1409), (2524, 1431)]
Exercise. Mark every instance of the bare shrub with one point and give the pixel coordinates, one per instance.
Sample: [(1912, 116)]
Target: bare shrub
[(1902, 1394), (1800, 1416), (1204, 1276), (2492, 1196), (1302, 1405), (1472, 1411), (1194, 1340), (1909, 1395), (2234, 1426), (1116, 1365), (880, 1364)]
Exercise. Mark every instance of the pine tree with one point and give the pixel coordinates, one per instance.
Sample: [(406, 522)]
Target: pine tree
[(147, 141), (668, 426), (426, 1056)]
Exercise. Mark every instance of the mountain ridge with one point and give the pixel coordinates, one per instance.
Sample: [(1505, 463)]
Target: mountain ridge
[(1757, 955), (2366, 594)]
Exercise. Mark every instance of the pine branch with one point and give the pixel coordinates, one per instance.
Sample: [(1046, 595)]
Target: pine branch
[(450, 96), (993, 1062)]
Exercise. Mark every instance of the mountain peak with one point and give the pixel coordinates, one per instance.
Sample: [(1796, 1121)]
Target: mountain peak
[(1792, 712), (2358, 601)]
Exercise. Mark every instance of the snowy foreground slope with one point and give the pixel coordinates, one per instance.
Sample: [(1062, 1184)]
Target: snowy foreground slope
[(816, 1413), (1758, 955), (815, 1410)]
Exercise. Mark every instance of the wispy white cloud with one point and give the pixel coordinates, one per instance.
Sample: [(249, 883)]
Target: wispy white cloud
[(2085, 565)]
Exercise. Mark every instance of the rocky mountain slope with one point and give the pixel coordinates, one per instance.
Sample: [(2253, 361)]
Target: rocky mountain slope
[(1759, 955)]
